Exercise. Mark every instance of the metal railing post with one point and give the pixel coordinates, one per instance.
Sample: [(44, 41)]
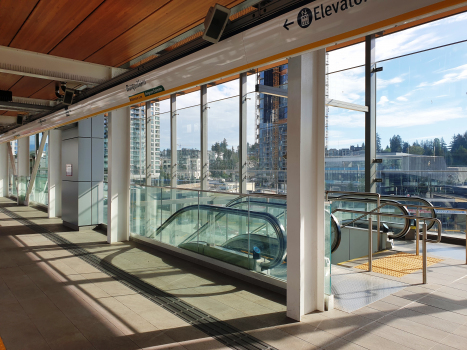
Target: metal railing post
[(370, 244), (417, 233), (424, 253)]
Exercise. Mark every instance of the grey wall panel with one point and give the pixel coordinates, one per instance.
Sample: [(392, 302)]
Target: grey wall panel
[(84, 159), (70, 202), (84, 203), (97, 128), (97, 159), (70, 152), (84, 128), (69, 133)]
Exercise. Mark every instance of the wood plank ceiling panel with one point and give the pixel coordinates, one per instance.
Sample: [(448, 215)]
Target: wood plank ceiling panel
[(8, 80), (27, 86), (12, 16), (106, 23), (171, 20), (50, 22)]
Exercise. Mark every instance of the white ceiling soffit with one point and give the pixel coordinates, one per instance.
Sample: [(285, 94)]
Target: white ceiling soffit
[(269, 42), (38, 65)]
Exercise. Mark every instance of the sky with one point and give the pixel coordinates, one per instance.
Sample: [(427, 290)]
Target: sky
[(420, 97)]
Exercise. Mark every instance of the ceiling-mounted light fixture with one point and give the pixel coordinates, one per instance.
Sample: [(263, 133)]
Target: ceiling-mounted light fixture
[(215, 23)]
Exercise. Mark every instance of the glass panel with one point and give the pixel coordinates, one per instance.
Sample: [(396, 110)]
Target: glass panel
[(188, 146), (422, 37), (162, 153), (145, 210), (421, 105), (222, 91), (267, 135), (137, 145), (223, 136), (178, 224), (347, 57), (327, 248)]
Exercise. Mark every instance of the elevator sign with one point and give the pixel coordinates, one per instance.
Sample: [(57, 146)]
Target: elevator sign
[(306, 16)]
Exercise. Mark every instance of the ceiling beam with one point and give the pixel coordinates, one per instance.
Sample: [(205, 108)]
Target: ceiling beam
[(34, 101), (23, 107), (38, 65)]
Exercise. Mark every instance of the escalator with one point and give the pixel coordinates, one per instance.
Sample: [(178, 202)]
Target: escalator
[(249, 233)]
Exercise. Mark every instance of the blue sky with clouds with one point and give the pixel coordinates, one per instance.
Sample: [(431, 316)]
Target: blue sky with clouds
[(421, 96)]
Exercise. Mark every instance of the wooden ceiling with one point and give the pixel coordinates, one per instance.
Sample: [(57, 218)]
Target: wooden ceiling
[(108, 32)]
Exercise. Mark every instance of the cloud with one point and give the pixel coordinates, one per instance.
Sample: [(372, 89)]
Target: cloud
[(395, 116), (383, 101), (402, 99), (458, 74)]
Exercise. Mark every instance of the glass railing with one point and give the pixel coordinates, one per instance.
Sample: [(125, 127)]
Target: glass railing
[(106, 191), (246, 231), (22, 188), (13, 185), (40, 191)]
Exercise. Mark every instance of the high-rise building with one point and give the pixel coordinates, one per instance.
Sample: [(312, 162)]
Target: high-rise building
[(138, 143), (271, 130)]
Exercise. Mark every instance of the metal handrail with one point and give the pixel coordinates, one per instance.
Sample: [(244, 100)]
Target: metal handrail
[(370, 248), (378, 203), (265, 195), (373, 210), (421, 218)]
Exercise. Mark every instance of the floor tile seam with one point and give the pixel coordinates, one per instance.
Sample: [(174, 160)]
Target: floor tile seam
[(438, 341), (377, 320), (199, 327), (431, 315)]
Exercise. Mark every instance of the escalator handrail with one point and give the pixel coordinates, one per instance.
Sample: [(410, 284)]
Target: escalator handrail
[(419, 199), (384, 203), (335, 221), (402, 198), (271, 219)]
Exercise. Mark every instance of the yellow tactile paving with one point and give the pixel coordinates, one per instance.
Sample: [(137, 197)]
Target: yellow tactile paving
[(399, 264)]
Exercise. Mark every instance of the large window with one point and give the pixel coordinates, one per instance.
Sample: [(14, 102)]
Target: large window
[(421, 115)]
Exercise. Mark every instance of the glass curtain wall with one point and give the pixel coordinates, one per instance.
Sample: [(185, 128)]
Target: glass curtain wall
[(421, 116), (13, 175), (223, 136), (40, 190), (162, 150), (345, 128), (188, 140), (106, 167), (267, 133)]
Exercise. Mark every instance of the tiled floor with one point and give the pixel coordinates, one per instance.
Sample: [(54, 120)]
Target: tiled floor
[(50, 299)]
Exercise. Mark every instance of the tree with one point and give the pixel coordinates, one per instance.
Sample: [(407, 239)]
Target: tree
[(378, 143), (395, 143)]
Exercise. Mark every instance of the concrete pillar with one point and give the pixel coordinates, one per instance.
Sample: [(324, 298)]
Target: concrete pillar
[(119, 176), (55, 173), (305, 187), (23, 168), (4, 170)]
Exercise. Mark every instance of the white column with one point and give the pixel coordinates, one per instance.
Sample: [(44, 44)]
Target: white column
[(4, 170), (119, 176), (305, 184), (55, 173), (23, 167)]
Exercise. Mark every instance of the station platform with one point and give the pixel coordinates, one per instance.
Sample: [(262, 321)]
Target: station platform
[(62, 289)]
